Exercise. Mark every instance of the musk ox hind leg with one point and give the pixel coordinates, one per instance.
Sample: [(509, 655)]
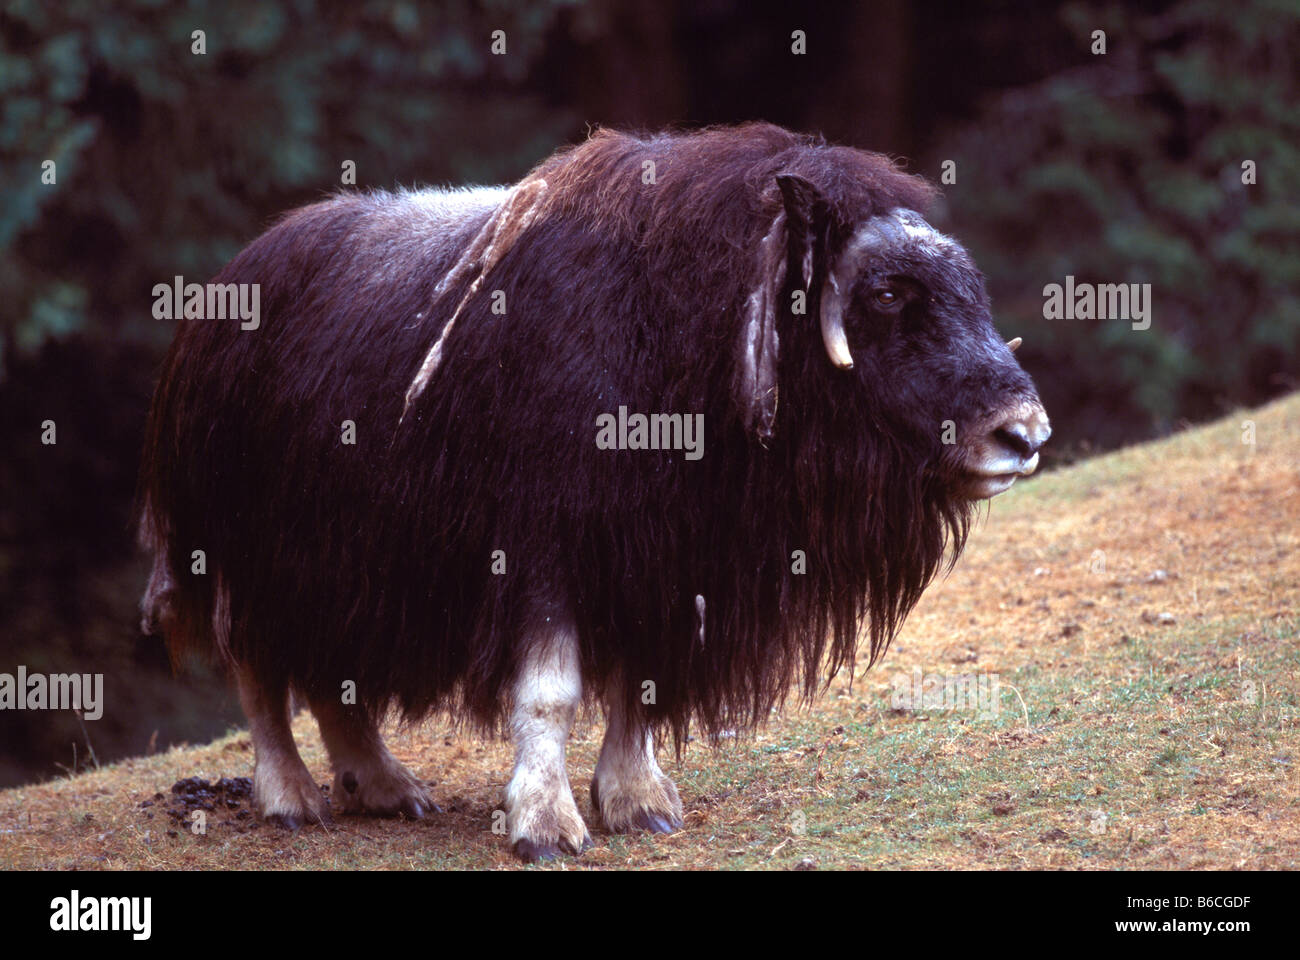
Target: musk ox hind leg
[(628, 788), (547, 691), (367, 778), (283, 789)]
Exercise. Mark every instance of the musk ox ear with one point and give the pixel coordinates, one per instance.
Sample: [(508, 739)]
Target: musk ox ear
[(792, 234), (806, 211)]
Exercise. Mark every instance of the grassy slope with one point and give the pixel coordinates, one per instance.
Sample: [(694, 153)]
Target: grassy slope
[(1127, 742)]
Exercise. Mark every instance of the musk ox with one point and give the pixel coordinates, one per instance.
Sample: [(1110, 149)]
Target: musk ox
[(398, 487)]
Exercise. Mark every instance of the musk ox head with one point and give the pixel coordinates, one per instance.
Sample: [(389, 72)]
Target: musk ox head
[(905, 321)]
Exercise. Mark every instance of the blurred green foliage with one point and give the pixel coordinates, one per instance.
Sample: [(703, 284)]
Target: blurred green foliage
[(1128, 169), (168, 161)]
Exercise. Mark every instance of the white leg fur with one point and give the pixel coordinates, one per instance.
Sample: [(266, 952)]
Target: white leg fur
[(283, 789), (542, 816), (628, 788), (367, 778)]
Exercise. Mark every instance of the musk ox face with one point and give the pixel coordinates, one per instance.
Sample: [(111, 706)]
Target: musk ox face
[(905, 312)]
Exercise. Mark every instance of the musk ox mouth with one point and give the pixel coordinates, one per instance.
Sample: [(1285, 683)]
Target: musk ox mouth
[(990, 479), (1005, 449)]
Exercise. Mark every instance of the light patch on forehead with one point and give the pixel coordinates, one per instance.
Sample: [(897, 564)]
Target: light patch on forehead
[(899, 232), (903, 230)]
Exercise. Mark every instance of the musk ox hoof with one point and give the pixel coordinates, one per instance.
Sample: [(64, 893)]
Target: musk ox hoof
[(531, 852), (544, 820), (655, 822), (293, 822), (389, 790), (414, 809), (293, 806), (651, 805)]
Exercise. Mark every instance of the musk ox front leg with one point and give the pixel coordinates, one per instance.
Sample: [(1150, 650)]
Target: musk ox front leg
[(628, 788), (367, 778), (541, 813), (283, 789)]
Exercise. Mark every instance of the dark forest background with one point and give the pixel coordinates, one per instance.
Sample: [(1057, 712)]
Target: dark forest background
[(1122, 167)]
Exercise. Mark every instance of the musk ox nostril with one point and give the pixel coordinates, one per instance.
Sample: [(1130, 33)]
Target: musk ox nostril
[(1025, 431), (1016, 437)]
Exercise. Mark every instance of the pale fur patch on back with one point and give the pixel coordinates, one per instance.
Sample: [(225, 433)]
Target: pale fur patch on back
[(498, 235), (420, 225)]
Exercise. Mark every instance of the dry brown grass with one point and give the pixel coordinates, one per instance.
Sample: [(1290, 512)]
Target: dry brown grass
[(1142, 742)]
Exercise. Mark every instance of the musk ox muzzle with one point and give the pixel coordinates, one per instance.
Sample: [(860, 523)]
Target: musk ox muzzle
[(394, 494)]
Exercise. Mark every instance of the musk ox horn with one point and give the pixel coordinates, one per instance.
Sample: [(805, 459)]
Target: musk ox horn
[(878, 232), (1012, 345), (833, 335), (806, 210), (893, 230)]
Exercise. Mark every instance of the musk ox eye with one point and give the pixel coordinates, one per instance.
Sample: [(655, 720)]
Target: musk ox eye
[(887, 297)]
